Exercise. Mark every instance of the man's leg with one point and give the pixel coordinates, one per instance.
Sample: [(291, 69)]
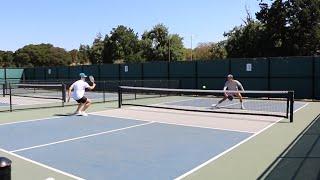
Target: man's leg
[(223, 99), (79, 108), (241, 100), (86, 105)]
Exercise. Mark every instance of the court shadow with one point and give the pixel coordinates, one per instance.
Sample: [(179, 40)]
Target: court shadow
[(301, 159)]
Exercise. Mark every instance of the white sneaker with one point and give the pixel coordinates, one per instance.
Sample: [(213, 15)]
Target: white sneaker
[(78, 113), (242, 107), (84, 114), (214, 106)]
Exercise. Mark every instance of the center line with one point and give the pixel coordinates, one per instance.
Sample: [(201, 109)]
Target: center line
[(81, 137)]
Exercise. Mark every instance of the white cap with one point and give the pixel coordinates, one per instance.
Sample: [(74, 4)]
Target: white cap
[(230, 76)]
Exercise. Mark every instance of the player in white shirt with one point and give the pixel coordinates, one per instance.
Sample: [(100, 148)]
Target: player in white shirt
[(77, 91), (231, 85)]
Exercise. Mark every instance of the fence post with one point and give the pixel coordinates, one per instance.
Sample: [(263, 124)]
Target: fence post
[(313, 77), (196, 74), (10, 97), (291, 95), (119, 97)]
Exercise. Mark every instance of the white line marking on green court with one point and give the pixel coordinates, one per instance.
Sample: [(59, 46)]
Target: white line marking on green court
[(42, 165), (81, 137), (230, 149), (33, 120), (177, 124)]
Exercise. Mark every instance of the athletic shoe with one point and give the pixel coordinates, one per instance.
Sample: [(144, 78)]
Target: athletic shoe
[(214, 106), (84, 114), (78, 113)]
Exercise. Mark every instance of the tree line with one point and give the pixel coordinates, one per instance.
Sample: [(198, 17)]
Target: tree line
[(279, 28)]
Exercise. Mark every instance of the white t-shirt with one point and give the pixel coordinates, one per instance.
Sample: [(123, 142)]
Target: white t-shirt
[(233, 86), (79, 88)]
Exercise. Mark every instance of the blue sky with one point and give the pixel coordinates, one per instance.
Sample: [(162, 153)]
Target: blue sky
[(69, 23)]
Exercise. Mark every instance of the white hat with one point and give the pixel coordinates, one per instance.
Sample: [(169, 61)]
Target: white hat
[(230, 76)]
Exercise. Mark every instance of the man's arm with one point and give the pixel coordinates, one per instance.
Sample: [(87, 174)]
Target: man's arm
[(240, 86), (91, 87), (225, 88), (69, 92)]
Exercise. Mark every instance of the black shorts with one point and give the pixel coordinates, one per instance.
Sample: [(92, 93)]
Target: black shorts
[(82, 100)]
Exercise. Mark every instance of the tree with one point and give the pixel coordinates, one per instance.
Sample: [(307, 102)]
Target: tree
[(96, 51), (246, 41), (304, 29), (218, 50), (292, 27), (158, 43), (210, 51), (6, 59), (176, 47), (42, 55), (274, 19), (203, 51), (122, 44), (84, 54)]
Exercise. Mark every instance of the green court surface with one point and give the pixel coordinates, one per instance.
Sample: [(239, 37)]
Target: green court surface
[(261, 156)]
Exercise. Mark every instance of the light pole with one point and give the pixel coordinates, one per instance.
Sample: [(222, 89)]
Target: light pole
[(169, 52), (191, 47)]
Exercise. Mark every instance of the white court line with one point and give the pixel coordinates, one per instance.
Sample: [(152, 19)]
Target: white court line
[(48, 118), (42, 165), (176, 101), (232, 148), (33, 120), (178, 124), (81, 137)]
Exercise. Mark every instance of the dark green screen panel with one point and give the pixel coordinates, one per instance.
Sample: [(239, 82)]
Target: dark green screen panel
[(29, 73), (216, 68), (161, 83), (187, 83), (259, 84), (39, 73), (182, 69), (75, 71), (63, 72), (108, 71), (51, 73), (249, 67), (92, 70), (131, 71), (155, 70), (301, 86), (291, 67), (211, 83)]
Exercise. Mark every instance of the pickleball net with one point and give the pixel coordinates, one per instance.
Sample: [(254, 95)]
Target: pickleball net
[(29, 96), (264, 103)]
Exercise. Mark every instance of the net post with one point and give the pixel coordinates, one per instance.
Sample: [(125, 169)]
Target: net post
[(64, 94), (119, 97), (288, 106), (10, 97), (3, 90), (135, 93), (291, 99), (104, 91)]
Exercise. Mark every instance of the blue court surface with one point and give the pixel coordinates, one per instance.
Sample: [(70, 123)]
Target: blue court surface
[(3, 104), (102, 147), (252, 105)]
